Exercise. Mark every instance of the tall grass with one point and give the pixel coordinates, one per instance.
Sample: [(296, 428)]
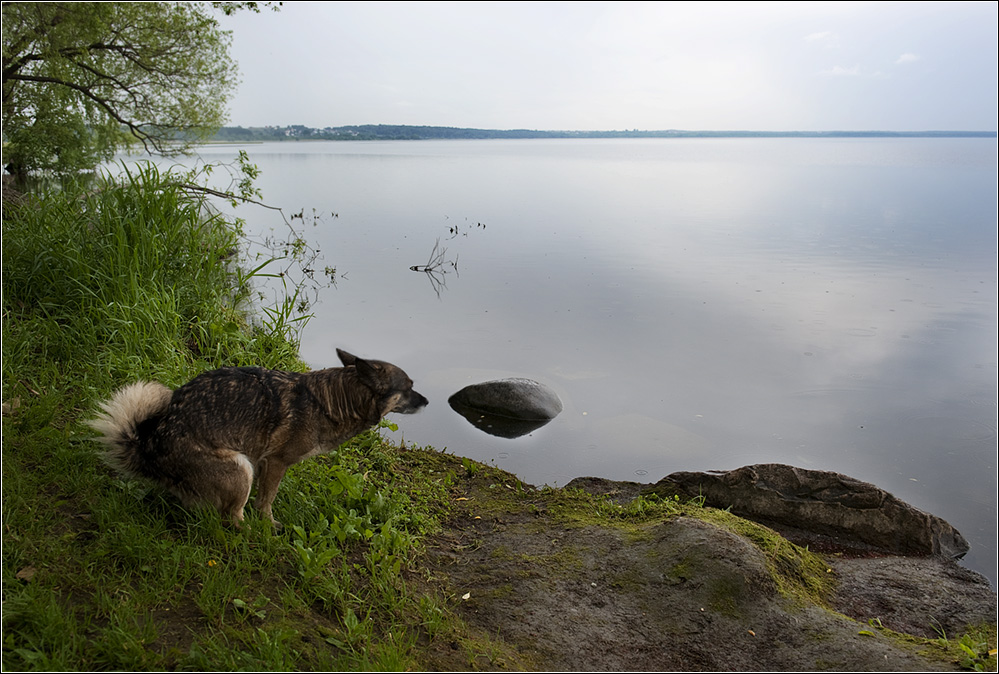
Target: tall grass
[(131, 276), (139, 278)]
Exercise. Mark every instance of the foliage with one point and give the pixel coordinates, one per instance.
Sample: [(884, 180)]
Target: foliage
[(83, 79)]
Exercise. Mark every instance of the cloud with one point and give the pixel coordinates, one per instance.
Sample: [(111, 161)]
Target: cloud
[(840, 71), (906, 58), (826, 38), (855, 71)]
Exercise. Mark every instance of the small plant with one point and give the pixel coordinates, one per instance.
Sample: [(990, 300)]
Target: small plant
[(355, 632), (471, 468), (256, 609), (642, 507), (975, 653), (313, 549)]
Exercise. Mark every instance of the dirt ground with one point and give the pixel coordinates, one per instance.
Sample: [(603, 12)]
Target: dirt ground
[(674, 594)]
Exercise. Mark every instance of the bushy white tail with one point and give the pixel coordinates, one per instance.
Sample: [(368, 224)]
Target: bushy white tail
[(118, 424)]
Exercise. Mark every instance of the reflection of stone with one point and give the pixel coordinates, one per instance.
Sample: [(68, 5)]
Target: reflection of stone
[(494, 424), (507, 408), (821, 502)]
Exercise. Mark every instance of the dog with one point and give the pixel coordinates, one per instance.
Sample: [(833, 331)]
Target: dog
[(206, 441)]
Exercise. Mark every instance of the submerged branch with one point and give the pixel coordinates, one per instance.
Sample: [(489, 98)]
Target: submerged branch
[(437, 266)]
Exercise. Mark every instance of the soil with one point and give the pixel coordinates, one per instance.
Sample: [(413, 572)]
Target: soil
[(542, 591)]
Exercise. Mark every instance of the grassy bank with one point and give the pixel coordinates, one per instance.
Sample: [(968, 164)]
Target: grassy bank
[(106, 285)]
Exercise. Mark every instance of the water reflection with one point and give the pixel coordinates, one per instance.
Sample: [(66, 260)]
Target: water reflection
[(437, 267), (495, 424)]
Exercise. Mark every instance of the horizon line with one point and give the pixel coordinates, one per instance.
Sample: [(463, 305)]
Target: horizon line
[(631, 130)]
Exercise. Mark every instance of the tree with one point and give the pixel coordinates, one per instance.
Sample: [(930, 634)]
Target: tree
[(83, 79)]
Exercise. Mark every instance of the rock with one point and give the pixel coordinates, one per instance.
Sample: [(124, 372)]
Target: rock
[(675, 594), (507, 407), (915, 595), (515, 398), (821, 502)]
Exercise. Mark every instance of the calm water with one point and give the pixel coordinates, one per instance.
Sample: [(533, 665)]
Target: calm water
[(698, 304)]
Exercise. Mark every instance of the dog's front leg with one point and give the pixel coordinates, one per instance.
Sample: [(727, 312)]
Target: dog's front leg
[(271, 470)]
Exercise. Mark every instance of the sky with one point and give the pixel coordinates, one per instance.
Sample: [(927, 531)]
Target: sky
[(767, 66)]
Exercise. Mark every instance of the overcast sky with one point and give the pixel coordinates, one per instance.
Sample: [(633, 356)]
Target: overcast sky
[(620, 65)]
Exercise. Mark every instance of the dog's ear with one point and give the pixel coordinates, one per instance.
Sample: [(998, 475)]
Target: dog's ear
[(368, 370), (370, 373)]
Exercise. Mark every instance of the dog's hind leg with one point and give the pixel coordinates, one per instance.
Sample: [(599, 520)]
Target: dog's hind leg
[(234, 499), (222, 479)]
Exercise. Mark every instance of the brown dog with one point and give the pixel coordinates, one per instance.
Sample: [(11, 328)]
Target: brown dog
[(207, 440)]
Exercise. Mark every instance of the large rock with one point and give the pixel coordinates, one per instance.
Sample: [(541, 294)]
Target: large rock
[(507, 408), (515, 398), (822, 502)]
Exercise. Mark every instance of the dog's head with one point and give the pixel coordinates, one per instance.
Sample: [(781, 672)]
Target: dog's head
[(392, 386)]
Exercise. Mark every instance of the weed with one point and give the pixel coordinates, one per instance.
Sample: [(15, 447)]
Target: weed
[(974, 650), (254, 609), (471, 467), (310, 561), (976, 653)]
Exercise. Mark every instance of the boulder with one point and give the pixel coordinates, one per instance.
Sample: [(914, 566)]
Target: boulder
[(507, 407), (514, 398), (821, 502)]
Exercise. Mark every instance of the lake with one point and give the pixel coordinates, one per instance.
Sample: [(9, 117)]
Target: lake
[(697, 304)]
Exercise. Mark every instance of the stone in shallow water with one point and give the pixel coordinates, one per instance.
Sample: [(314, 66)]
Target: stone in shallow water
[(507, 408)]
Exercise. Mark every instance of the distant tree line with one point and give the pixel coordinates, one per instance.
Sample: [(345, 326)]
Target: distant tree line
[(238, 134)]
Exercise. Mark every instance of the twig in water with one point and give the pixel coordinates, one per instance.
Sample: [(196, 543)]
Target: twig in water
[(436, 267)]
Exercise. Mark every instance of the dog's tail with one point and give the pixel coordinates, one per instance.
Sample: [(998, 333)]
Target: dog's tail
[(120, 420)]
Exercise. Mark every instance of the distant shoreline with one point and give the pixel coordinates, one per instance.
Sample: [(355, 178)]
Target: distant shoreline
[(238, 134)]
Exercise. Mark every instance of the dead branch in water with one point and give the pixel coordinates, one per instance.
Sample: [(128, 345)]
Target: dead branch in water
[(437, 266)]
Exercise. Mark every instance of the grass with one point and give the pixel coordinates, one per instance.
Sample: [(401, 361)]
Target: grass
[(138, 279)]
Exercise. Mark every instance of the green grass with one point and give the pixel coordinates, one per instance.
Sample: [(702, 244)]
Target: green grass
[(133, 279)]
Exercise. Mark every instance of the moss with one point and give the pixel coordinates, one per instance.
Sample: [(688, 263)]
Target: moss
[(725, 595), (630, 580), (973, 649), (500, 592), (798, 573), (680, 572)]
